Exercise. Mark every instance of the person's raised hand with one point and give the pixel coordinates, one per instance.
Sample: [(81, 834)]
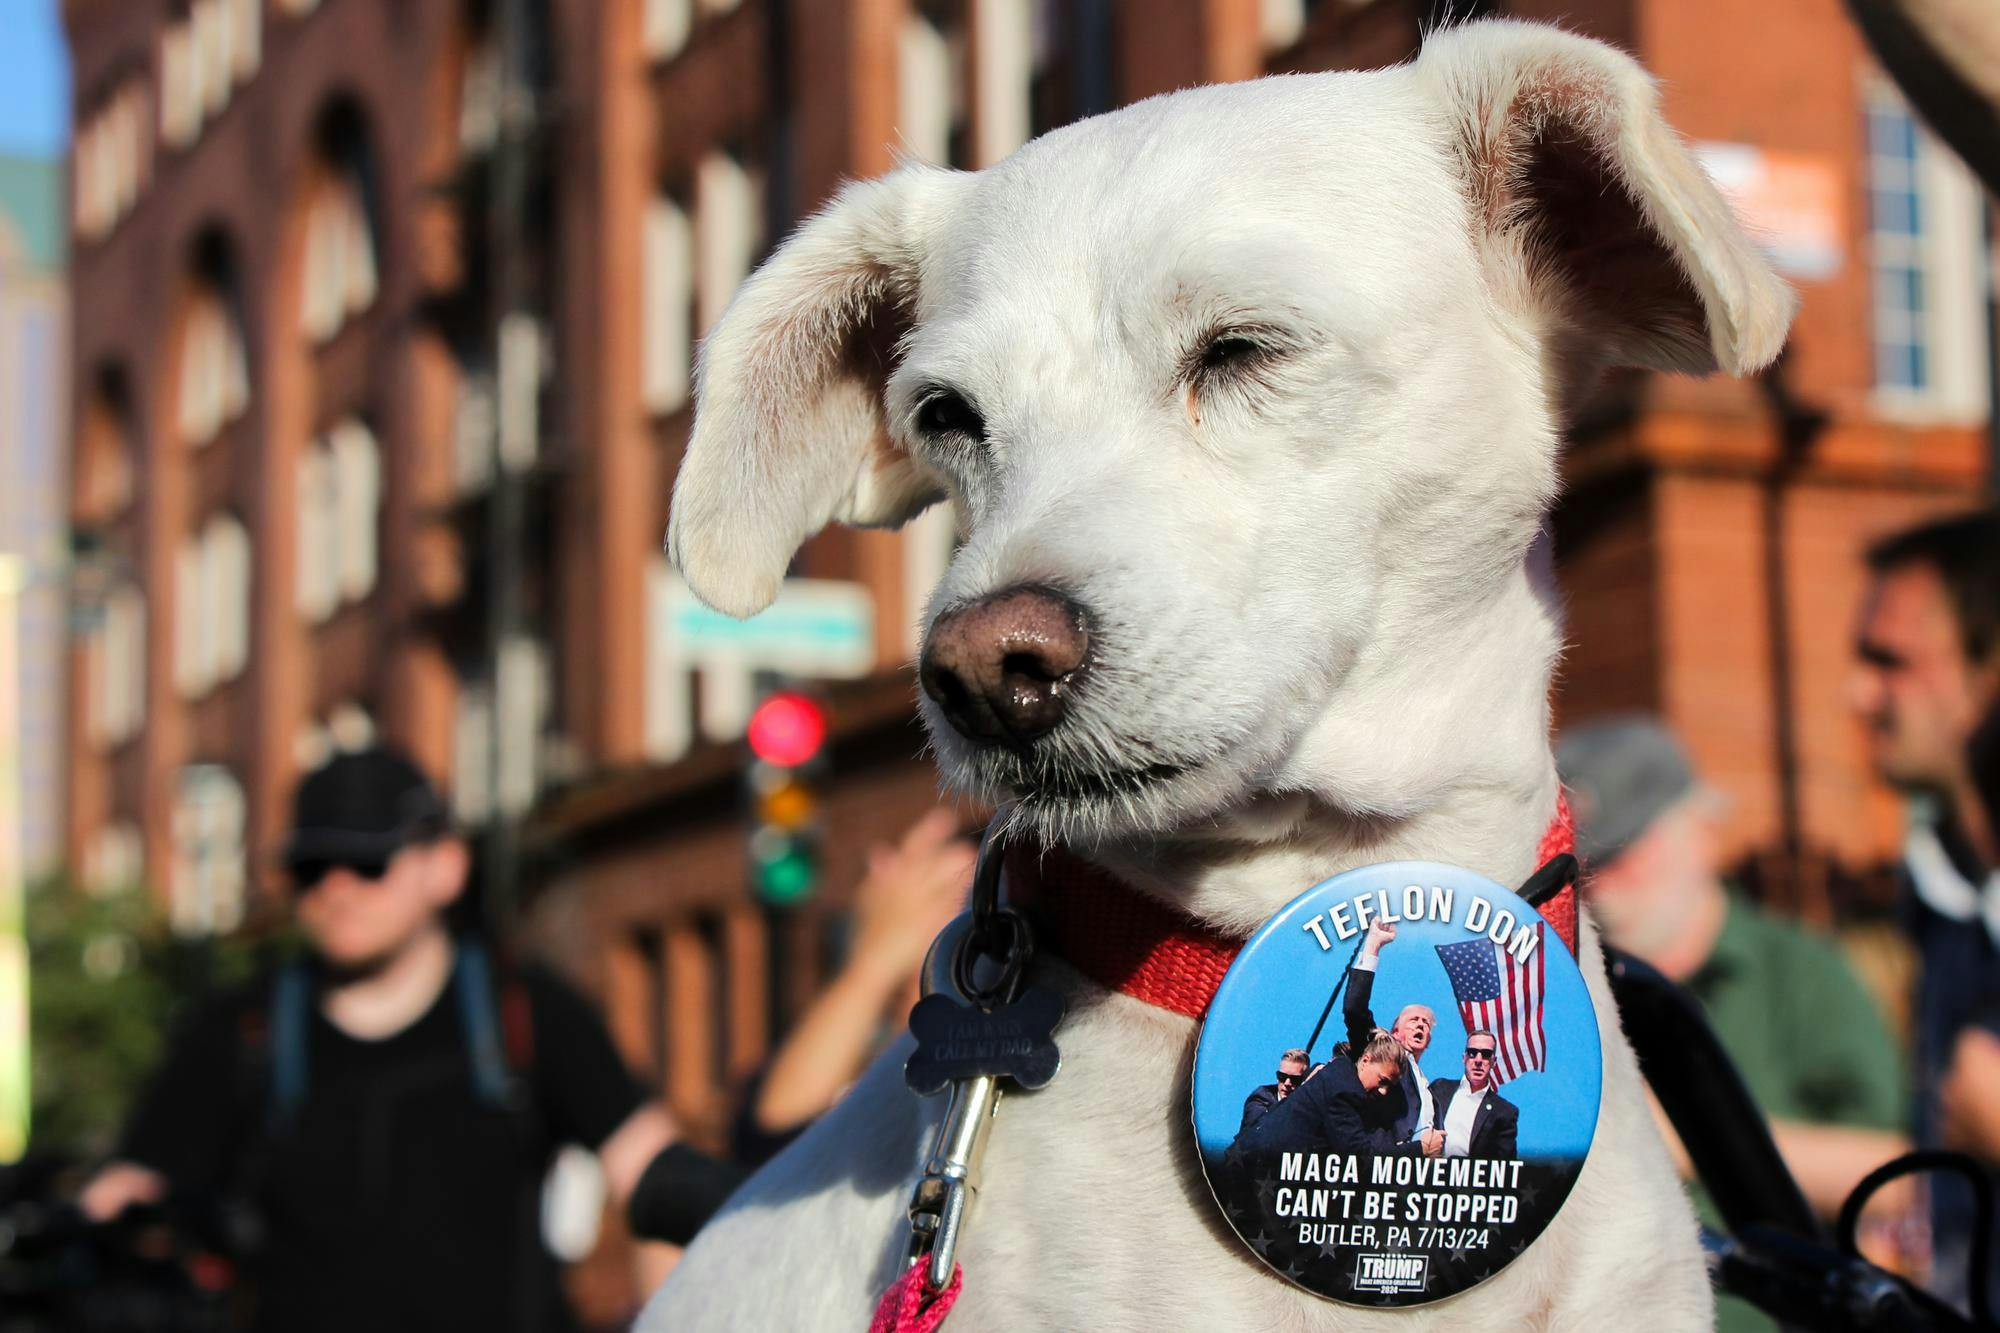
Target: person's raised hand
[(1379, 934), (910, 892), (118, 1186)]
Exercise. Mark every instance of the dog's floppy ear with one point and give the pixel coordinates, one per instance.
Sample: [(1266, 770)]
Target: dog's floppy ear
[(1585, 196), (788, 430)]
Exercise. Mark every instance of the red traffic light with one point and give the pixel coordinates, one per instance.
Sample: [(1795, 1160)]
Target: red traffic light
[(787, 729)]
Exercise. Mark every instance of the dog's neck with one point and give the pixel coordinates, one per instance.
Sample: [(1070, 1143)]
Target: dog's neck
[(1454, 768)]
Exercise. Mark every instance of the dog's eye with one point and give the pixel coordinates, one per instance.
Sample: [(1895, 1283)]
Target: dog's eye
[(1230, 352), (947, 413), (1231, 357)]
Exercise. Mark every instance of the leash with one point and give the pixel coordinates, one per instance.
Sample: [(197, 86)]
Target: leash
[(978, 1022)]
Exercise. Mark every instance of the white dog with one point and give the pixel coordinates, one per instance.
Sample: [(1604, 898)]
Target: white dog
[(1257, 391)]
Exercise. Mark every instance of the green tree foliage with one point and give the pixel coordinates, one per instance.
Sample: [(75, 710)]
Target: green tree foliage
[(106, 981)]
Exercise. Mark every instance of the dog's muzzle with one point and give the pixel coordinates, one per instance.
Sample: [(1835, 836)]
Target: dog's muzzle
[(1003, 668)]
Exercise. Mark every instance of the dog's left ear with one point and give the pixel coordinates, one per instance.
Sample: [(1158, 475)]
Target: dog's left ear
[(1592, 211), (788, 429)]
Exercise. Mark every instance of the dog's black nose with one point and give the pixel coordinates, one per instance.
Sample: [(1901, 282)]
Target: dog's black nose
[(1003, 668)]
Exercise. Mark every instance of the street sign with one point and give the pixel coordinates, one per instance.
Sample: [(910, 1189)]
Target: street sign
[(817, 628)]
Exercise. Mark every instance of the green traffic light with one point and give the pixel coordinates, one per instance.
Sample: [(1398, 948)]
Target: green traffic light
[(786, 878)]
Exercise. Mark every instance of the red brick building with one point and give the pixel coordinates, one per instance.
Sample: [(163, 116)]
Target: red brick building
[(284, 388)]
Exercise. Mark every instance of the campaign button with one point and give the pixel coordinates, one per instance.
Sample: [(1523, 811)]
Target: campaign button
[(1397, 1084)]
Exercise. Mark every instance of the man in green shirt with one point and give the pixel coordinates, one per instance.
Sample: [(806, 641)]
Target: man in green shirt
[(1807, 1039)]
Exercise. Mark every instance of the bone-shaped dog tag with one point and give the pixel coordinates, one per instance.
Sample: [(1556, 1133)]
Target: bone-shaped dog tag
[(956, 1042)]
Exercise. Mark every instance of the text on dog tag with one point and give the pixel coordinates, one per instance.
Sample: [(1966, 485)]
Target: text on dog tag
[(958, 1041)]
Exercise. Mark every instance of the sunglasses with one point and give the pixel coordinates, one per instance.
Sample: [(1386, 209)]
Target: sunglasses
[(1283, 1077), (308, 875), (1479, 1053)]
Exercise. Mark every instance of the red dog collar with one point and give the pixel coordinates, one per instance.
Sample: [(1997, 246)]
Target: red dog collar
[(1129, 941)]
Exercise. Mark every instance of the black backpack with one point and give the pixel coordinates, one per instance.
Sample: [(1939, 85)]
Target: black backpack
[(494, 1014)]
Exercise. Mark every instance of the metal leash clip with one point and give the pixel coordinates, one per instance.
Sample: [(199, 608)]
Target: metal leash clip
[(977, 1023)]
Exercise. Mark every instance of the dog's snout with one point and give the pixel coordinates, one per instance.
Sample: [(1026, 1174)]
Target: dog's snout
[(1003, 668)]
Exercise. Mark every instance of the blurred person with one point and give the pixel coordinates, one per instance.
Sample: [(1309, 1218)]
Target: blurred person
[(1804, 1034), (909, 893), (1926, 685), (387, 1106), (1291, 1072)]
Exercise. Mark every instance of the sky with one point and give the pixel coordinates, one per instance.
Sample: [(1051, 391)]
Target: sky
[(34, 79)]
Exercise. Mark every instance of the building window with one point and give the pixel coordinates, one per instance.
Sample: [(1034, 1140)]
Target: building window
[(191, 675), (930, 60), (212, 606), (115, 859), (214, 61), (180, 86), (340, 275), (929, 542), (1925, 251), (501, 745), (206, 895), (246, 38), (226, 574), (203, 56), (340, 505), (667, 313), (319, 551), (1281, 22), (479, 96), (728, 231), (214, 369), (664, 27), (1896, 246), (357, 472), (113, 161), (472, 426), (1004, 49), (472, 754), (348, 727), (115, 668)]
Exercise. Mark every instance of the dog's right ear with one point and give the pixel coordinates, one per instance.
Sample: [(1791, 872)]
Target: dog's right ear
[(788, 430), (1592, 213)]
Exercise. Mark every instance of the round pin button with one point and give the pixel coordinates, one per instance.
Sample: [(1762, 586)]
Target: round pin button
[(1397, 1084)]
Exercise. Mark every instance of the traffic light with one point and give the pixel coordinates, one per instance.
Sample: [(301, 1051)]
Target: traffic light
[(787, 733)]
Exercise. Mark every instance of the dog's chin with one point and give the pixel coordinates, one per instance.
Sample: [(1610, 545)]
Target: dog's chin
[(1080, 804)]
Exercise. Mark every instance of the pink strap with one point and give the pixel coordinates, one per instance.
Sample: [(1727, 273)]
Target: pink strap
[(903, 1309)]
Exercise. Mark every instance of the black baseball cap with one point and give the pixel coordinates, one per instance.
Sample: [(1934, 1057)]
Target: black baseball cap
[(360, 808)]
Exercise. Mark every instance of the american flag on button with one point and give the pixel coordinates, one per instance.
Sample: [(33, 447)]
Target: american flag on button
[(1497, 994)]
